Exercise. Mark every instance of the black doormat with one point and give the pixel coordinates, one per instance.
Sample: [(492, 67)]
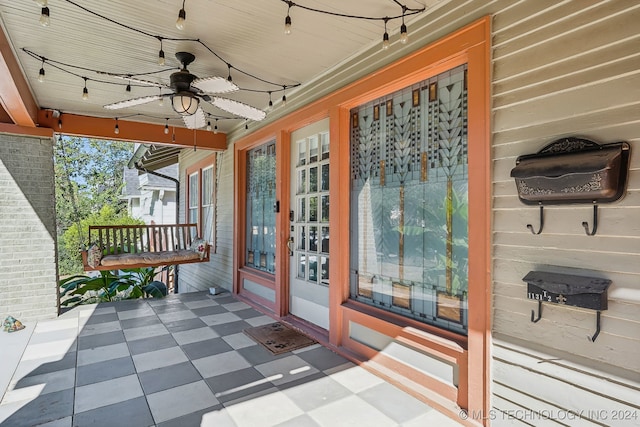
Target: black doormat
[(278, 338)]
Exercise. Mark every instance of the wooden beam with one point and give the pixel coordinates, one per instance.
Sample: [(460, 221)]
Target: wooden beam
[(26, 130), (102, 128), (15, 95)]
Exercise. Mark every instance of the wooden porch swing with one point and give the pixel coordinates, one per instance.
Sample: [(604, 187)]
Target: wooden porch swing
[(117, 247)]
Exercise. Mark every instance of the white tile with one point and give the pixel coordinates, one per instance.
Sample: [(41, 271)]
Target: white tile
[(105, 393), (49, 349), (55, 325), (34, 386), (200, 304), (239, 340), (260, 320), (100, 354), (218, 319), (145, 332), (236, 306), (159, 359), (179, 401), (100, 328), (220, 364), (134, 314), (194, 335), (355, 378), (266, 410), (350, 411), (173, 316), (432, 418)]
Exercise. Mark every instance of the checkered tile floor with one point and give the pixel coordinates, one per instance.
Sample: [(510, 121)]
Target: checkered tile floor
[(184, 361)]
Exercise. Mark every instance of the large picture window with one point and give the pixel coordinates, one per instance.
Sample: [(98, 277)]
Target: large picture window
[(201, 197), (261, 218), (409, 199)]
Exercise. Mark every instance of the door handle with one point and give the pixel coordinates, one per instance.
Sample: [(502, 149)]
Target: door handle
[(290, 245)]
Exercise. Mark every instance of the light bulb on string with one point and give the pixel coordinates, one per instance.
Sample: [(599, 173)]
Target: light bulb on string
[(85, 91), (128, 88), (182, 15), (385, 36), (284, 96), (166, 127), (270, 107), (404, 36), (41, 74), (44, 17), (116, 129), (246, 125), (215, 127), (209, 125), (229, 78), (161, 100), (287, 20), (59, 123), (161, 60)]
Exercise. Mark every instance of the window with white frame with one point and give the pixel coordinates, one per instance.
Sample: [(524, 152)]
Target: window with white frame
[(201, 197)]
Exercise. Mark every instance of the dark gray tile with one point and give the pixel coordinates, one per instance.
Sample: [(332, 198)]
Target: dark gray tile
[(42, 409), (138, 322), (165, 378), (170, 307), (101, 318), (103, 371), (206, 311), (146, 345), (230, 328), (134, 412), (225, 299), (197, 419), (237, 384), (193, 296), (134, 304), (100, 340), (184, 325), (206, 348), (257, 355), (247, 313), (322, 358)]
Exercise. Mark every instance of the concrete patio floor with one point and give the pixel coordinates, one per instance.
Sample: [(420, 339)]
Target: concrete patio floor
[(184, 361)]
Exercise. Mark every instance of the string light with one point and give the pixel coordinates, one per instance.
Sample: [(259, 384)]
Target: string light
[(59, 123), (215, 128), (284, 96), (270, 107), (287, 20), (209, 125), (116, 129), (246, 125), (161, 60), (229, 78), (41, 73), (128, 88), (406, 11), (166, 126), (85, 91), (44, 17), (182, 15), (404, 37), (385, 36)]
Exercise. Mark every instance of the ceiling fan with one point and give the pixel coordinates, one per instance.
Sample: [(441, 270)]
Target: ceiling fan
[(188, 91)]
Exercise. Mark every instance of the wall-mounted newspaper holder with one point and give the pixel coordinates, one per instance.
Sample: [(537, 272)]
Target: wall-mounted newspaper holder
[(572, 170), (567, 289)]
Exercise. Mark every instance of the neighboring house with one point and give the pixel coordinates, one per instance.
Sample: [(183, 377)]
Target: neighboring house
[(421, 280), (150, 197)]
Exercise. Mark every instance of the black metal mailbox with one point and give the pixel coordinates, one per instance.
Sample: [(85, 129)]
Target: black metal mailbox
[(567, 289), (573, 170)]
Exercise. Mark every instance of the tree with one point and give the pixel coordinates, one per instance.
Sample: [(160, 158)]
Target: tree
[(88, 179)]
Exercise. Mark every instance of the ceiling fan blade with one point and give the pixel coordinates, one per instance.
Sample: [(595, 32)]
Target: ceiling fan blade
[(132, 102), (214, 84), (239, 108), (140, 81), (195, 121)]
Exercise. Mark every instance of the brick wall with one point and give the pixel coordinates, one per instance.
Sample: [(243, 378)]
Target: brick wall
[(28, 271)]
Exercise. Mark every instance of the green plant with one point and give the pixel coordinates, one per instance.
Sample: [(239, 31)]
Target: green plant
[(132, 284)]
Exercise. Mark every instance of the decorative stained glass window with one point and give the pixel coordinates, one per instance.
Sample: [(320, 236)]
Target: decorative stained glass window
[(409, 198), (261, 219)]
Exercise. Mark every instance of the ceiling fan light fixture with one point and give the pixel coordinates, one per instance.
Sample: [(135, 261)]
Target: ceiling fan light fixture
[(185, 103)]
